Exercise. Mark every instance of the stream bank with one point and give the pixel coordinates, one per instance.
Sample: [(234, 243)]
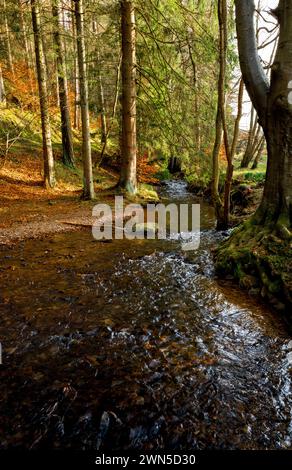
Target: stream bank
[(261, 263)]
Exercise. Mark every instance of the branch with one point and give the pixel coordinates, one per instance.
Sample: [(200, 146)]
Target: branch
[(254, 77)]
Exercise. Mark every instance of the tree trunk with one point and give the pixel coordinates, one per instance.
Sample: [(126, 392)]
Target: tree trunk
[(102, 106), (215, 163), (258, 153), (28, 60), (8, 43), (276, 206), (256, 142), (252, 147), (114, 109), (24, 33), (76, 76), (196, 93), (275, 113), (67, 138), (57, 90), (221, 130), (223, 217), (128, 180), (77, 96), (49, 172), (230, 156), (2, 88), (252, 130), (88, 191)]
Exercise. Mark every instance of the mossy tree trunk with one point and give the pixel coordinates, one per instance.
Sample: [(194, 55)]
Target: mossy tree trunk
[(260, 249), (273, 104)]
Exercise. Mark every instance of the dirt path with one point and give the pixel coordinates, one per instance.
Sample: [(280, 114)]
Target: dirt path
[(28, 210), (31, 219)]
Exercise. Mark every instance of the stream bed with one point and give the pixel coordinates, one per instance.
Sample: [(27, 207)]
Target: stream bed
[(136, 345)]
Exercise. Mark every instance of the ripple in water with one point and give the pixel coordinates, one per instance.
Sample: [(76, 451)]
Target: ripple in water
[(137, 345)]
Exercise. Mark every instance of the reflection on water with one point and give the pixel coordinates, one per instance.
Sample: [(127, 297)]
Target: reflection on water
[(137, 345)]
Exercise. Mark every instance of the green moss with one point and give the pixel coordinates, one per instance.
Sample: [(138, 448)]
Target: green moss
[(147, 192), (255, 256), (163, 175)]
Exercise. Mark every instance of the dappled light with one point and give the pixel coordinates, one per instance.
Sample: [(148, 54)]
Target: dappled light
[(145, 232)]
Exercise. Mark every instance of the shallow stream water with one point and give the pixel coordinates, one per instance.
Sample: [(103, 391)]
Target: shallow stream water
[(137, 345)]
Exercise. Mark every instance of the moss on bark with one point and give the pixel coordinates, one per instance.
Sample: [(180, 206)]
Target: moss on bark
[(261, 261)]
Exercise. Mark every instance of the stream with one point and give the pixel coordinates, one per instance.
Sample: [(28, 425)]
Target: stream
[(136, 345)]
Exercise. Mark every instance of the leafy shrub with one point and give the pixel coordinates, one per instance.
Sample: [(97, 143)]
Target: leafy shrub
[(257, 177), (163, 174)]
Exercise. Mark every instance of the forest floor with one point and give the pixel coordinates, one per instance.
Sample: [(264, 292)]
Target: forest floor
[(28, 210)]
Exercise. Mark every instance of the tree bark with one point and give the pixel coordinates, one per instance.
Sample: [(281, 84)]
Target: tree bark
[(258, 153), (221, 130), (49, 171), (274, 108), (224, 223), (76, 75), (102, 108), (24, 34), (66, 128), (255, 79), (196, 93), (102, 105), (252, 130), (8, 43), (238, 118), (88, 190), (26, 44), (114, 109), (223, 218), (2, 88), (128, 180)]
